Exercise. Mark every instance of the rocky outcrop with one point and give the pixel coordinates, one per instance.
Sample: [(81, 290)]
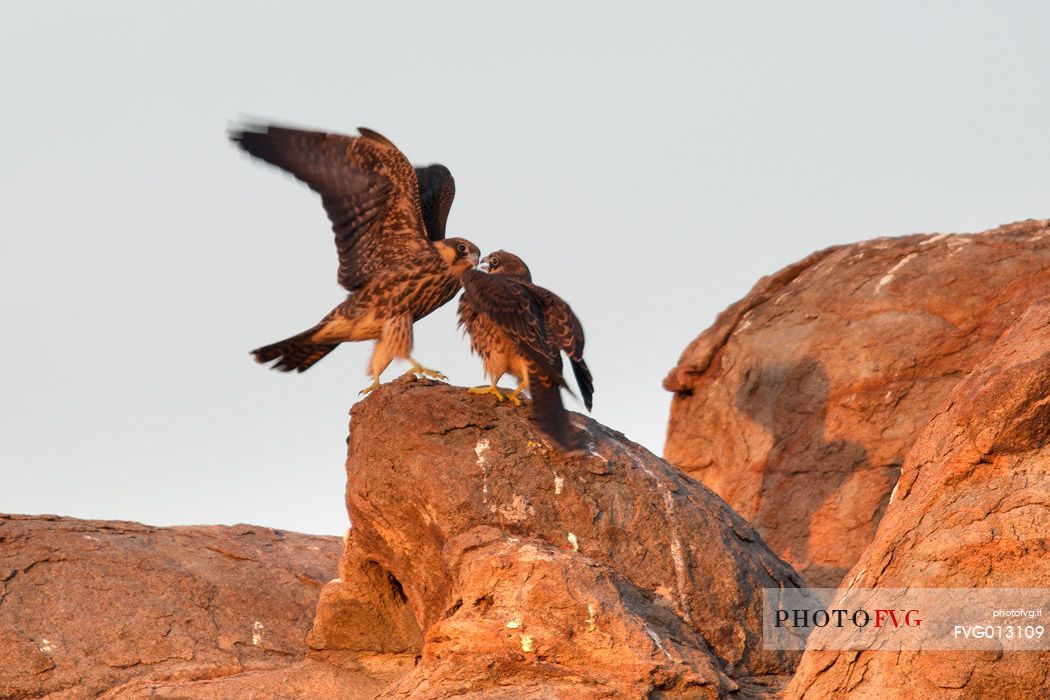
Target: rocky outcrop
[(121, 610), (481, 563), (799, 404), (971, 510), (513, 571)]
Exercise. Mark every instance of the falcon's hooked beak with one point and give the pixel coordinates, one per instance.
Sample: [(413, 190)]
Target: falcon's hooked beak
[(484, 264), (473, 258)]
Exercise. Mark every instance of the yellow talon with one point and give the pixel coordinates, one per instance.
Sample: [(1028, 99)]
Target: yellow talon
[(420, 370), (514, 395), (370, 388), (490, 389)]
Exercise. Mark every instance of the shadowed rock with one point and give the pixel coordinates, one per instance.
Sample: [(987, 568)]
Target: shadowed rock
[(516, 572), (798, 405), (971, 510)]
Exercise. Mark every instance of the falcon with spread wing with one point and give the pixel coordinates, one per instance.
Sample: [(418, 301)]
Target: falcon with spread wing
[(389, 222), (522, 329)]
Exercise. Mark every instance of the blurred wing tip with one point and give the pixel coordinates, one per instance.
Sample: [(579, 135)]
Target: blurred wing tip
[(242, 132), (244, 125)]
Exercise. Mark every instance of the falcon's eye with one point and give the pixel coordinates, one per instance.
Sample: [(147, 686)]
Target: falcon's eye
[(461, 248), (493, 262)]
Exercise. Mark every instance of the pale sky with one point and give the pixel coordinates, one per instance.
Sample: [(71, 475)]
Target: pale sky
[(650, 161)]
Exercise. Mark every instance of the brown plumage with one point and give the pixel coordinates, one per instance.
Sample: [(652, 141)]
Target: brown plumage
[(521, 329), (389, 223)]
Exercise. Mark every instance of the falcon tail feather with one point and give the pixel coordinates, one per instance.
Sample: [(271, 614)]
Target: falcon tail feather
[(297, 353), (583, 380), (550, 415)]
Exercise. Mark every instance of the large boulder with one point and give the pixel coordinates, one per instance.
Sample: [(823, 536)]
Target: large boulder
[(126, 610), (798, 405), (971, 510), (513, 571)]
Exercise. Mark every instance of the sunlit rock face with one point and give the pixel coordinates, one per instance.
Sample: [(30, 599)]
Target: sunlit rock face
[(514, 571), (798, 405), (971, 510), (94, 608)]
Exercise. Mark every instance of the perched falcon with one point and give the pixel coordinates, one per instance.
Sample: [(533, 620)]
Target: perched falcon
[(389, 222), (521, 329)]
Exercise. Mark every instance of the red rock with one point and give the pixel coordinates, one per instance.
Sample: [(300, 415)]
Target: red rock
[(798, 405), (127, 610), (514, 571), (971, 510)]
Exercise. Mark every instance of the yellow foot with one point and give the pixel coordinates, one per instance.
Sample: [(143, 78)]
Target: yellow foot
[(515, 395), (370, 388), (421, 371), (490, 389)]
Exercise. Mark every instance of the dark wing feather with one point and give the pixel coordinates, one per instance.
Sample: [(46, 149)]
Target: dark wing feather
[(565, 329), (437, 189), (566, 333), (367, 187), (512, 306)]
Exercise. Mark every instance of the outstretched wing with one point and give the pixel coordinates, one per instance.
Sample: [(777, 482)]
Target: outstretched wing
[(515, 309), (566, 333), (437, 189), (367, 186)]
